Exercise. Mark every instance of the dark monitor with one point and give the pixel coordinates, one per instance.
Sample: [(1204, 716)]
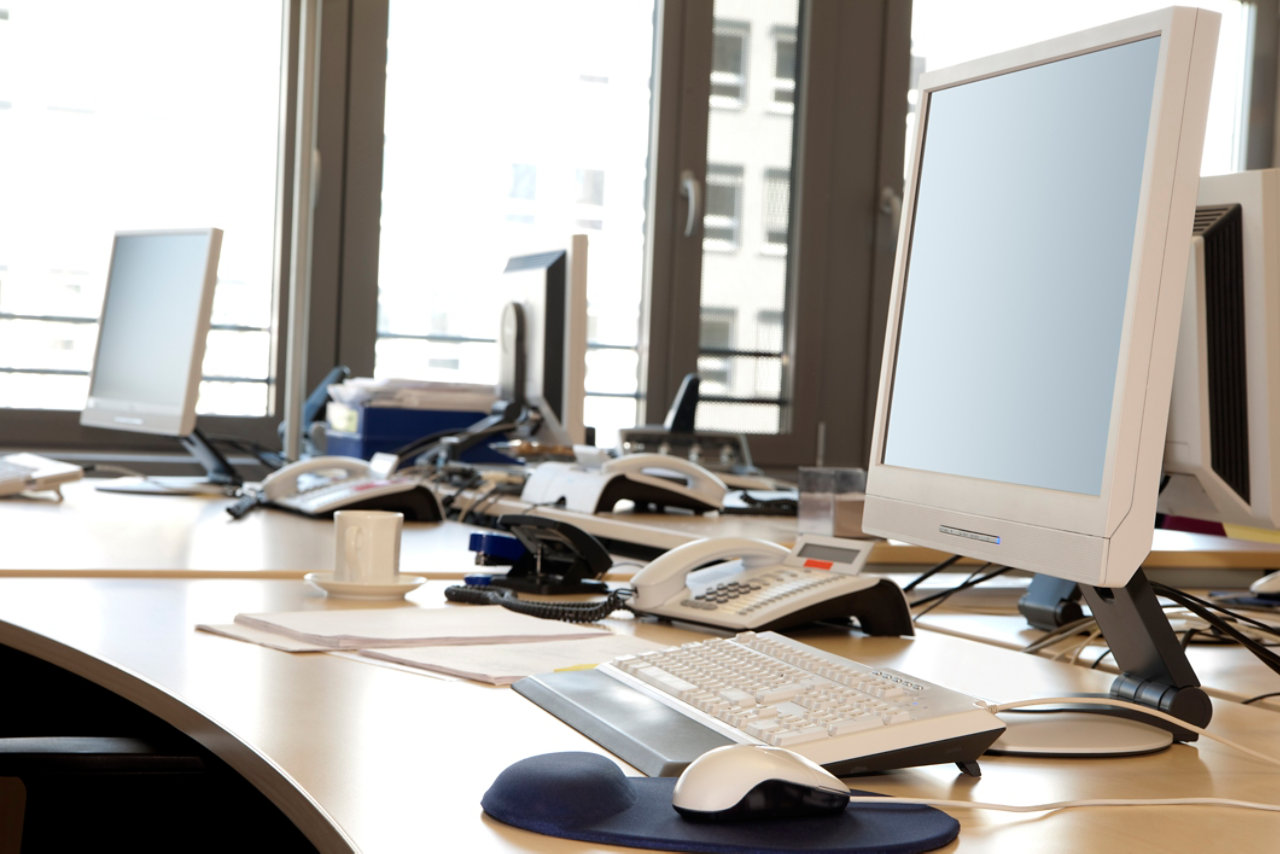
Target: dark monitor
[(548, 291), (150, 351)]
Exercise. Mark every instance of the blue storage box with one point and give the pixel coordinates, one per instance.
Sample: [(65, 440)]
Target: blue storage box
[(362, 431)]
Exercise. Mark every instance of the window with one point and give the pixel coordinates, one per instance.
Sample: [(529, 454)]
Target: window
[(590, 199), (777, 208), (729, 64), (716, 341), (944, 32), (562, 92), (524, 181), (130, 116), (784, 68), (722, 221)]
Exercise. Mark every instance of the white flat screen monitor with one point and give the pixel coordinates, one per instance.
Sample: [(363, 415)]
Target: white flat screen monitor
[(1034, 313), (151, 336), (1222, 451)]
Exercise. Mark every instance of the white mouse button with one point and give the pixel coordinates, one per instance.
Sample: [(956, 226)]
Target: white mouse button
[(745, 782)]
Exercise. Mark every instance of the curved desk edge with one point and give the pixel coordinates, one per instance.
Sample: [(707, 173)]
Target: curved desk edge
[(278, 786)]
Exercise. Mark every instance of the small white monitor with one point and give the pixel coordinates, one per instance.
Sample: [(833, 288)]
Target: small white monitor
[(1036, 296), (151, 335), (1222, 451)]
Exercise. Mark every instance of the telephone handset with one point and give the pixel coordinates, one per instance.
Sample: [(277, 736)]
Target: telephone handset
[(745, 584), (320, 485), (661, 469), (644, 479), (664, 578)]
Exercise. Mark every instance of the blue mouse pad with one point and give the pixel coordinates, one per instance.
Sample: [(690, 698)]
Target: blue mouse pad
[(585, 796)]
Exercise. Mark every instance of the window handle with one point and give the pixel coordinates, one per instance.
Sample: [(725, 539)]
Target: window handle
[(891, 206), (691, 189)]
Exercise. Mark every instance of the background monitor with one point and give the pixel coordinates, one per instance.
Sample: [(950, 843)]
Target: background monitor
[(1034, 315), (151, 343), (551, 290), (1222, 450)]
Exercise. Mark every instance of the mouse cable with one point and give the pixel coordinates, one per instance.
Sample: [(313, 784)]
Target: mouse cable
[(1117, 703), (873, 800)]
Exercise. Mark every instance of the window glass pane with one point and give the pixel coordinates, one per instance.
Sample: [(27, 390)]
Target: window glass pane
[(746, 225), (945, 32), (506, 145), (729, 63), (137, 114), (784, 67)]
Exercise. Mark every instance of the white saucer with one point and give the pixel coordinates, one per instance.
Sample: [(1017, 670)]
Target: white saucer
[(354, 590)]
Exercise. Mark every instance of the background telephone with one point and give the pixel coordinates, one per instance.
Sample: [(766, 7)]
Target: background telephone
[(740, 583), (645, 479), (321, 485)]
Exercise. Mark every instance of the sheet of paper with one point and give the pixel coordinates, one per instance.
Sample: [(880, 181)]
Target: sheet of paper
[(368, 628), (506, 662), (264, 638)]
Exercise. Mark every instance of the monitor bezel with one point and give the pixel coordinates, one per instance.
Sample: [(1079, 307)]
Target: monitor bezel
[(128, 415), (1152, 306)]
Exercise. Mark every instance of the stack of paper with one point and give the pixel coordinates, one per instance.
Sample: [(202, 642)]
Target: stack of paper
[(487, 643), (414, 394), (383, 627)]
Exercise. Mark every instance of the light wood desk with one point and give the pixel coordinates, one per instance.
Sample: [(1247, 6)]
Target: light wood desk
[(102, 533), (93, 533), (370, 757)]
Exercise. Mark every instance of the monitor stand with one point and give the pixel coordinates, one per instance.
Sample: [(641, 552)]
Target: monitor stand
[(1154, 672), (220, 476)]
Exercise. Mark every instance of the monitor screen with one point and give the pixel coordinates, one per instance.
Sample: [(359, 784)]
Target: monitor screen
[(151, 336), (550, 289), (1033, 318), (1038, 158)]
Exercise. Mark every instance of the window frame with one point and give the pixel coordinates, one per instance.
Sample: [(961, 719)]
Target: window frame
[(850, 106), (58, 432)]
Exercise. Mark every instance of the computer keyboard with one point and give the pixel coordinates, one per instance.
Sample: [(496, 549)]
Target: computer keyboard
[(764, 688)]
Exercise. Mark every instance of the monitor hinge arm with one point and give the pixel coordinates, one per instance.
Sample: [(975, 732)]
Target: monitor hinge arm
[(1153, 665)]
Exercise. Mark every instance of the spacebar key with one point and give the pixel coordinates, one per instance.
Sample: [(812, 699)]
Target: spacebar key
[(661, 679)]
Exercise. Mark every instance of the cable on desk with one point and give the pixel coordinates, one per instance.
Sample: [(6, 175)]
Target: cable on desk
[(268, 458), (933, 600), (1063, 631), (1059, 805), (1260, 697), (1114, 702), (1205, 610), (929, 573), (466, 512)]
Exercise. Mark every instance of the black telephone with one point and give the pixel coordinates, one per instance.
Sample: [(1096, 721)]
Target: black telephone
[(558, 558)]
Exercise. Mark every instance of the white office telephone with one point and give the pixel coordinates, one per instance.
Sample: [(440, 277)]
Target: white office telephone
[(644, 479), (321, 485), (747, 584)]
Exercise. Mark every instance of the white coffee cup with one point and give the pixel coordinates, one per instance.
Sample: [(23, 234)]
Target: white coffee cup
[(367, 546)]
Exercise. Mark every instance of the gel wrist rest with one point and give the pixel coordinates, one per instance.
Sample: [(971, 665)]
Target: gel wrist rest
[(585, 796)]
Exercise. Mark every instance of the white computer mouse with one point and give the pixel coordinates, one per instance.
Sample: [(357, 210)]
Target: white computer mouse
[(1267, 584), (741, 782)]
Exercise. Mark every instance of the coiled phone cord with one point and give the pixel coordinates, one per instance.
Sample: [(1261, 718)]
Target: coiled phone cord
[(569, 612)]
